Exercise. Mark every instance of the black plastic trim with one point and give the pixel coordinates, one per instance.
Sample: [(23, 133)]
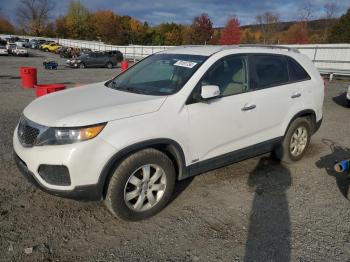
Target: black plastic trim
[(82, 193), (115, 159), (233, 157), (318, 125), (304, 113)]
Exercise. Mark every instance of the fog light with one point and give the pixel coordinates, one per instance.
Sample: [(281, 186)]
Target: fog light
[(55, 175)]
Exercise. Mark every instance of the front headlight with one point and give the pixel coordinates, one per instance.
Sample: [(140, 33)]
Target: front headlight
[(66, 135)]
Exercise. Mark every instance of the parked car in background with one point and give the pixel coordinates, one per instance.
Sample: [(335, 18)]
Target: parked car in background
[(117, 54), (10, 47), (3, 50), (93, 59), (45, 43), (51, 47), (20, 51), (3, 42), (64, 52), (36, 43), (20, 43), (83, 51), (171, 116), (348, 96)]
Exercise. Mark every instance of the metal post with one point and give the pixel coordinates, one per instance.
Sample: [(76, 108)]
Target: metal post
[(134, 54), (316, 48)]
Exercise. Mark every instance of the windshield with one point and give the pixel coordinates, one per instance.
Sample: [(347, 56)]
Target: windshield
[(159, 74)]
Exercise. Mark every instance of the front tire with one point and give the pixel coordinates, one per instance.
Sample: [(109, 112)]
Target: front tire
[(295, 142), (141, 185), (82, 66)]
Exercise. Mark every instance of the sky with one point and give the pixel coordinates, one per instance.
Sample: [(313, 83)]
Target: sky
[(183, 11)]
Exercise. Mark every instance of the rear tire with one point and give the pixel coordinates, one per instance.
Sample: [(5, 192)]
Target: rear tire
[(141, 185), (82, 66), (295, 142), (109, 65)]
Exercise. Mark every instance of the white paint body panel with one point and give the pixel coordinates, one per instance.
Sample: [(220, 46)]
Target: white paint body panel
[(203, 130)]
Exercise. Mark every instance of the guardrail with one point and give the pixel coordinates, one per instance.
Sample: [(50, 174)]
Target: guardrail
[(332, 59)]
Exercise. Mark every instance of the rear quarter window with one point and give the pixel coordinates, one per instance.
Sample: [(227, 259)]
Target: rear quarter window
[(296, 71)]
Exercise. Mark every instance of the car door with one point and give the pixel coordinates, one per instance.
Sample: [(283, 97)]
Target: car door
[(91, 60), (101, 60), (225, 124), (277, 97)]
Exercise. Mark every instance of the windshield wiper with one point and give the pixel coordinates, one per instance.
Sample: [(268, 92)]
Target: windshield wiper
[(131, 89)]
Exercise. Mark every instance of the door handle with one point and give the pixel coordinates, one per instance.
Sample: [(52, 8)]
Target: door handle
[(248, 107), (296, 95)]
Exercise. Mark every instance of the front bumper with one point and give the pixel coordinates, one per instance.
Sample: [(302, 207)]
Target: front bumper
[(83, 193), (84, 160), (72, 64)]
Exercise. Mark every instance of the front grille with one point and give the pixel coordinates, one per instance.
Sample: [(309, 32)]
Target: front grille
[(27, 133)]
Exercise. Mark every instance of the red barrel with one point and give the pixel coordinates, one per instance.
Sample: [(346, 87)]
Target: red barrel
[(48, 88), (28, 74), (21, 70), (124, 65)]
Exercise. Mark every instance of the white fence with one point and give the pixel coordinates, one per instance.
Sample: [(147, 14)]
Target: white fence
[(132, 52), (328, 58)]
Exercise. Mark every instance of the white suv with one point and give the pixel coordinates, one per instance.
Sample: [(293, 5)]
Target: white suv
[(171, 116)]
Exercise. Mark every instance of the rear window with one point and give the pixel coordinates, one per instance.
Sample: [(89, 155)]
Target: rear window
[(296, 71), (270, 70)]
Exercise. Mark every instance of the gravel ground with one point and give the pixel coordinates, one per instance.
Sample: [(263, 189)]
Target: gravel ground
[(255, 210)]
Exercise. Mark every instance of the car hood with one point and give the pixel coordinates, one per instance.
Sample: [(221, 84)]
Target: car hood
[(88, 105)]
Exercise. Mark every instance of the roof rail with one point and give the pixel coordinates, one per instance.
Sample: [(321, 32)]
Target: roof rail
[(291, 49)]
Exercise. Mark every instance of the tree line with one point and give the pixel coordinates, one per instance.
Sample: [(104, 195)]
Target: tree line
[(33, 18)]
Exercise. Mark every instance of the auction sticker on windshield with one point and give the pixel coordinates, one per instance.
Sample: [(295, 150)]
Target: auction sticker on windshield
[(183, 63)]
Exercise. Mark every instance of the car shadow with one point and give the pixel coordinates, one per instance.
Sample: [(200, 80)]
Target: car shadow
[(269, 229), (327, 162), (341, 100), (9, 77), (180, 187)]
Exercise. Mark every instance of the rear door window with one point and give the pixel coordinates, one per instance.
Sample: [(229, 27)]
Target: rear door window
[(270, 70)]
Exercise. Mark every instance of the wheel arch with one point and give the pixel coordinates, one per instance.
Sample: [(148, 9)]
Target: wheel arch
[(168, 146), (307, 113)]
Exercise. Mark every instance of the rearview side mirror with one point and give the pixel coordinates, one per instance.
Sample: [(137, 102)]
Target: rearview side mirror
[(210, 91)]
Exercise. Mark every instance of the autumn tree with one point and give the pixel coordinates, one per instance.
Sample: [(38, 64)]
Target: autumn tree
[(268, 23), (215, 39), (231, 34), (330, 10), (78, 21), (107, 27), (174, 37), (5, 26), (33, 15), (297, 34), (187, 35), (137, 32), (61, 27), (202, 29), (248, 37), (340, 33)]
